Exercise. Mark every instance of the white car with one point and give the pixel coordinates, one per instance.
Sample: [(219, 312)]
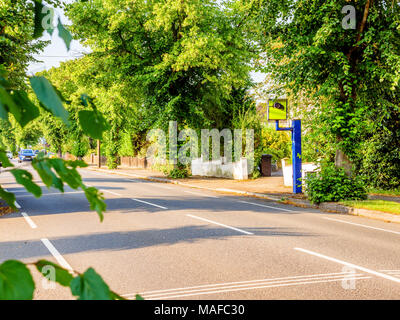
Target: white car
[(9, 155)]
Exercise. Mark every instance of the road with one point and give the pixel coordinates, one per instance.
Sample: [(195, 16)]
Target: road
[(167, 241)]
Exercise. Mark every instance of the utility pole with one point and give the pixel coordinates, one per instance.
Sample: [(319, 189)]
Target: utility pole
[(98, 154)]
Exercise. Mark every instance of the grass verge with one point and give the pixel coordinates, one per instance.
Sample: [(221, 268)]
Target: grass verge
[(395, 192), (376, 205)]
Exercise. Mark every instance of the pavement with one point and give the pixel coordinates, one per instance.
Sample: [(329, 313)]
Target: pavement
[(168, 241)]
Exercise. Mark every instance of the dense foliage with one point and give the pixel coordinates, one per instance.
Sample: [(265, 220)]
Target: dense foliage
[(350, 76), (331, 184)]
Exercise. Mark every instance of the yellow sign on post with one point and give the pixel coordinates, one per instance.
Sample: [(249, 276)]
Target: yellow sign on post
[(277, 109)]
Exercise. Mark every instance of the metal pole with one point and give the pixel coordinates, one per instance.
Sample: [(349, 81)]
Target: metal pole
[(98, 154), (296, 153), (296, 156)]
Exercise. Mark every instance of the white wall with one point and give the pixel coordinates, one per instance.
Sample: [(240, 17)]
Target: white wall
[(288, 172), (219, 169)]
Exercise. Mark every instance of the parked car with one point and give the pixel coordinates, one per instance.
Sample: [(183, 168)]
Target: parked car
[(51, 155), (26, 155), (36, 152)]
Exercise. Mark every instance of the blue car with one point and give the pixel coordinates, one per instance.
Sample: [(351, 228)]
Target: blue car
[(25, 155)]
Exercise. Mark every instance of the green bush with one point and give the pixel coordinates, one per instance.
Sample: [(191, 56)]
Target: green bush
[(380, 161), (332, 184), (179, 172)]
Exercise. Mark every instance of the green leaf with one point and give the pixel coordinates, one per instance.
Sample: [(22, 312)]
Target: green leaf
[(49, 97), (95, 199), (62, 276), (7, 104), (115, 296), (28, 110), (43, 168), (93, 123), (25, 178), (8, 197), (16, 281), (90, 286), (5, 162), (139, 297), (69, 176), (64, 34)]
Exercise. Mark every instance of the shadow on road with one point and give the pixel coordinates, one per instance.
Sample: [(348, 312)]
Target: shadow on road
[(115, 241)]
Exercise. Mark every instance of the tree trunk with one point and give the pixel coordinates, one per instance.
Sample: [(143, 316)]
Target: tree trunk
[(342, 161)]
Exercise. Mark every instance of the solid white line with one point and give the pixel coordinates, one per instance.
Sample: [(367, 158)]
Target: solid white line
[(200, 194), (249, 282), (262, 205), (250, 286), (378, 274), (150, 204), (29, 220), (253, 288), (362, 225), (220, 224), (60, 259)]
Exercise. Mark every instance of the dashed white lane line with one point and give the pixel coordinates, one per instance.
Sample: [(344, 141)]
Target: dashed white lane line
[(200, 194), (60, 259), (361, 225), (265, 206), (29, 220), (366, 270), (137, 200), (150, 204), (220, 224), (15, 202), (111, 192)]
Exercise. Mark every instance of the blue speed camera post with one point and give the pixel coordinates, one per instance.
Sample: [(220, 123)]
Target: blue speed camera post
[(277, 110)]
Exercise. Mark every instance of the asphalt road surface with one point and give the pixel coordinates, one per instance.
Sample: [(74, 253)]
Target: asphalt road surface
[(171, 242)]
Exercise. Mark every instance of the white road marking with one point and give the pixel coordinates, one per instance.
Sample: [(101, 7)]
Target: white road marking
[(366, 270), (270, 207), (29, 220), (50, 194), (178, 294), (142, 201), (15, 202), (361, 225), (60, 259), (220, 224), (200, 194), (249, 282), (114, 193), (150, 204)]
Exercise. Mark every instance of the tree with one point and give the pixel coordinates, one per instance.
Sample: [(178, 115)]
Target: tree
[(183, 58), (352, 74), (15, 278)]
